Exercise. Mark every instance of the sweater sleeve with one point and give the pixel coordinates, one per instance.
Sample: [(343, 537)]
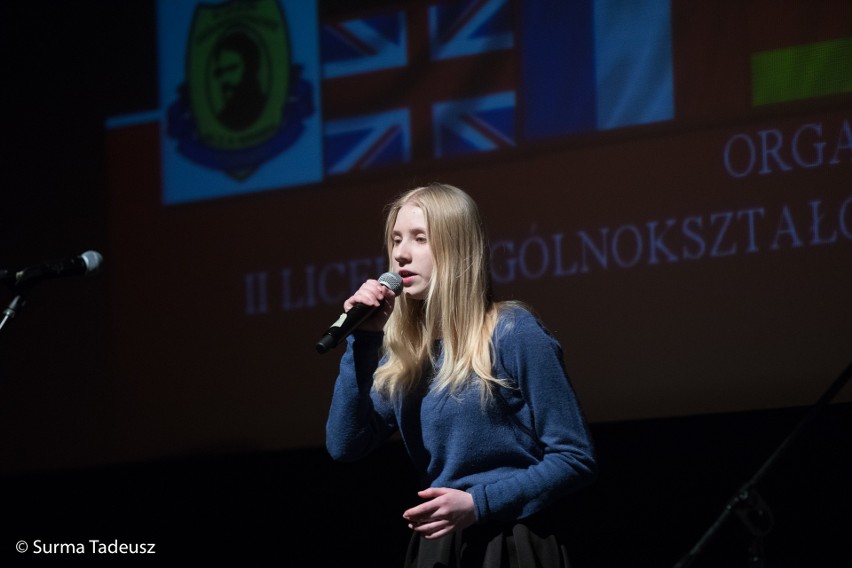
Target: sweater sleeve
[(533, 359), (357, 423)]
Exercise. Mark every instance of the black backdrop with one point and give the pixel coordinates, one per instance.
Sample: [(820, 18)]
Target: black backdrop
[(663, 481)]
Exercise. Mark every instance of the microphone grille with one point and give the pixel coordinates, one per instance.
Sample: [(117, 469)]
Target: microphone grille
[(93, 260), (392, 281)]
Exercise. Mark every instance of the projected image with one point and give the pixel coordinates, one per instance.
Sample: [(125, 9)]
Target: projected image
[(675, 204)]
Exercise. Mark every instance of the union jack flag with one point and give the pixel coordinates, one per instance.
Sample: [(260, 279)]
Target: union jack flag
[(470, 28), (367, 141), (363, 45), (473, 125), (416, 82)]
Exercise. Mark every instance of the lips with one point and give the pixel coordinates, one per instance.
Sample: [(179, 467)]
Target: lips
[(407, 277)]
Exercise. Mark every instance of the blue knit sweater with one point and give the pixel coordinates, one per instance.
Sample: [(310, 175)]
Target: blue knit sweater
[(527, 449)]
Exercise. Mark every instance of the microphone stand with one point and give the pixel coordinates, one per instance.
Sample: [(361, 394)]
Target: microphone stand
[(747, 503), (12, 309), (18, 281)]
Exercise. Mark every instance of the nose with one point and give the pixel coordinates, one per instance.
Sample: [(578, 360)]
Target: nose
[(401, 254)]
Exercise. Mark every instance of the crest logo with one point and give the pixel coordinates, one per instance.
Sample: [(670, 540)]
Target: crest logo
[(242, 102)]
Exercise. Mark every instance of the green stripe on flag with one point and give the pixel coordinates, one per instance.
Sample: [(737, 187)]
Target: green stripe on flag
[(801, 72)]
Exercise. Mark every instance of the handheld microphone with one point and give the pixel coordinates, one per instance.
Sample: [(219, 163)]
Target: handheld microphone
[(86, 263), (349, 321)]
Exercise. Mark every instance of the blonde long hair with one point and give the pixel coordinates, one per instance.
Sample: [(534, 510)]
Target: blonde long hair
[(458, 307)]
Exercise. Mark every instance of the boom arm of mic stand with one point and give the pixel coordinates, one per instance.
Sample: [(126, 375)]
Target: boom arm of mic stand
[(744, 494), (12, 309)]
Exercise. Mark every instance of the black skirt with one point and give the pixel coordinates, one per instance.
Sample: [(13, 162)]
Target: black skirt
[(528, 543)]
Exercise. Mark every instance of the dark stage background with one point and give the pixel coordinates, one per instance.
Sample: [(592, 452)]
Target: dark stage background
[(174, 399)]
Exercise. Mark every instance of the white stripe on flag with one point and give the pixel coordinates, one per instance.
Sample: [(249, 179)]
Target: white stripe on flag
[(633, 62)]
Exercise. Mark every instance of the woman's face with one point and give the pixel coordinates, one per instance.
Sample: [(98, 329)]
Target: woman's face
[(412, 254)]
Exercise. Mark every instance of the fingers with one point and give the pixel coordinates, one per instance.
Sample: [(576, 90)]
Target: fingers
[(432, 492), (420, 512), (439, 533), (371, 293), (432, 530), (445, 511), (427, 518)]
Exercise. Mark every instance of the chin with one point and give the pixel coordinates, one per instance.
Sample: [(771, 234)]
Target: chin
[(421, 295)]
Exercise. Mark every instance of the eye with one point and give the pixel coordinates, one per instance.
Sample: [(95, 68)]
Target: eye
[(421, 238)]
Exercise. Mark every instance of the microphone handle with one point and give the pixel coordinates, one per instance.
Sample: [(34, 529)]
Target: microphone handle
[(345, 324)]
